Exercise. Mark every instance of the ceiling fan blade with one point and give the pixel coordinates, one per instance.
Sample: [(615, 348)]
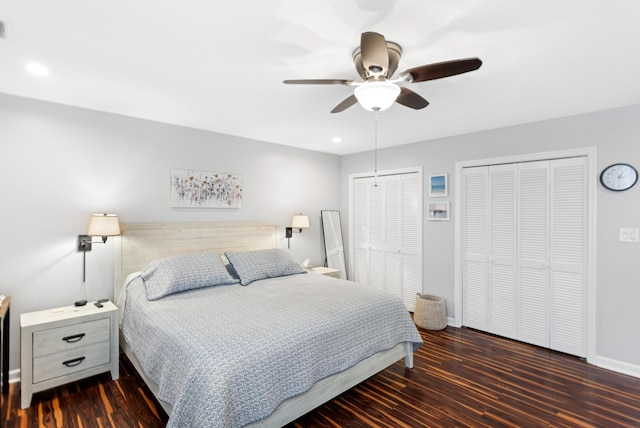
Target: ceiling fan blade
[(345, 104), (319, 82), (442, 69), (375, 57), (410, 99)]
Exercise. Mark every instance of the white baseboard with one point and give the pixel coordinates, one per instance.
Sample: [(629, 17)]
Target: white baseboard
[(617, 366)]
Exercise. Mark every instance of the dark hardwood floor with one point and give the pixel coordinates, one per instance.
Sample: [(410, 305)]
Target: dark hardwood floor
[(461, 378)]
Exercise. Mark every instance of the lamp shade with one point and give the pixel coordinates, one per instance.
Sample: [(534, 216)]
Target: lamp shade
[(377, 95), (300, 221), (104, 225)]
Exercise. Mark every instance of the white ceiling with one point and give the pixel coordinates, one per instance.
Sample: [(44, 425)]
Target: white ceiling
[(219, 66)]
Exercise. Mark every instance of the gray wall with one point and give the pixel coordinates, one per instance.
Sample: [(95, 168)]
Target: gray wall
[(59, 164), (615, 134)]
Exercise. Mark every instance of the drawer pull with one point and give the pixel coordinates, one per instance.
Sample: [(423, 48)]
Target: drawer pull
[(74, 362), (74, 338)]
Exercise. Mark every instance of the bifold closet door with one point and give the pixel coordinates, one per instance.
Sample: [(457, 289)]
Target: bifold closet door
[(489, 255), (387, 237), (475, 252), (502, 250), (533, 253), (568, 248), (552, 230), (524, 247), (361, 232)]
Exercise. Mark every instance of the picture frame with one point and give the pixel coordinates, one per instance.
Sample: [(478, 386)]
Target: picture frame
[(438, 211), (200, 189), (438, 186)]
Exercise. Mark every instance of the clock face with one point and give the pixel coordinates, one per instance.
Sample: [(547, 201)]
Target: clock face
[(618, 177)]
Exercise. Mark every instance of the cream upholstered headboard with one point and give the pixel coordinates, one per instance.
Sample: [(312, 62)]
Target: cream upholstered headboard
[(140, 244)]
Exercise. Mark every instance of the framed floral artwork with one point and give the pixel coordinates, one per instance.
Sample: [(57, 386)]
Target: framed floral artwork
[(199, 189)]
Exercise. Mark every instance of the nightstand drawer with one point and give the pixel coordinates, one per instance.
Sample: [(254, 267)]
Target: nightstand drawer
[(71, 361), (70, 337)]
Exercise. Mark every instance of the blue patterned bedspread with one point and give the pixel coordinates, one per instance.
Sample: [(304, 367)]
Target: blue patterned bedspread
[(227, 356)]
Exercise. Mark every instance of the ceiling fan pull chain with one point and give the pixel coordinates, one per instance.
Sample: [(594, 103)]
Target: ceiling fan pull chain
[(375, 150)]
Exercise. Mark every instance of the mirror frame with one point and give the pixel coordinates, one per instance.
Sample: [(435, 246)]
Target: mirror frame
[(332, 235)]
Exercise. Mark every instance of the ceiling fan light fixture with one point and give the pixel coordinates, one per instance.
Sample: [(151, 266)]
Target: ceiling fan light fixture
[(377, 96)]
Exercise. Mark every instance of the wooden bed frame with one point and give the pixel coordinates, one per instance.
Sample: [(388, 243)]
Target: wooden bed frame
[(140, 244)]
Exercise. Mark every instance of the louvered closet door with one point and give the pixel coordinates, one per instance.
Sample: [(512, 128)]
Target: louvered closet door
[(475, 253), (377, 254), (386, 234), (502, 250), (568, 253), (362, 226), (411, 234), (489, 266), (391, 246), (524, 246), (533, 253)]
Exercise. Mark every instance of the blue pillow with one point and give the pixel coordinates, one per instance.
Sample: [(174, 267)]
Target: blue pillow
[(174, 274), (261, 264)]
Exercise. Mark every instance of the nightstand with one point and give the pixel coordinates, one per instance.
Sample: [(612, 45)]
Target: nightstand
[(334, 273), (66, 344)]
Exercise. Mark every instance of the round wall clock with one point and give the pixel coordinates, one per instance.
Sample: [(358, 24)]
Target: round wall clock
[(619, 177)]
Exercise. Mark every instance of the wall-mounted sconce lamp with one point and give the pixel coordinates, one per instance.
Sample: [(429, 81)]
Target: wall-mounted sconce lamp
[(103, 225), (299, 222)]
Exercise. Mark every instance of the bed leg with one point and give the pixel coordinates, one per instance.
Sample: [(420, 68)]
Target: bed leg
[(408, 357)]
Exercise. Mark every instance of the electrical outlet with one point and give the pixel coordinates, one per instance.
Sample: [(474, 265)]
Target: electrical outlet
[(629, 234)]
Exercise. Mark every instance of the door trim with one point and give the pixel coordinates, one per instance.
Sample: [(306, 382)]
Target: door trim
[(590, 153)]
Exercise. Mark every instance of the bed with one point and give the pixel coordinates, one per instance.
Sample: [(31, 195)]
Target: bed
[(251, 338)]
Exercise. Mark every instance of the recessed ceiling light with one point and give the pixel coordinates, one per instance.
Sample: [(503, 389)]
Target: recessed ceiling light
[(337, 140), (37, 69)]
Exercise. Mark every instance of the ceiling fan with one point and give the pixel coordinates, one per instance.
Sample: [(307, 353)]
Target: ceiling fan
[(376, 60)]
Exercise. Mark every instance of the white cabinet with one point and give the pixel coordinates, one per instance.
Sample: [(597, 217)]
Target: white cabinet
[(66, 344)]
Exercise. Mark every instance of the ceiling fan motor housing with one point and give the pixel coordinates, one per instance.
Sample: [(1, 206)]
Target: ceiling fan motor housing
[(395, 52)]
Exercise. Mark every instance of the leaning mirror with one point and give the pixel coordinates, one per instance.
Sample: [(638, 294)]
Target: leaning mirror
[(333, 243)]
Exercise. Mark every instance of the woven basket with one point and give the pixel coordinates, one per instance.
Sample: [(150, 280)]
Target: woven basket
[(430, 312)]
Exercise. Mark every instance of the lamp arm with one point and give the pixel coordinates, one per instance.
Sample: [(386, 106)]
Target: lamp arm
[(85, 241), (103, 241), (84, 245)]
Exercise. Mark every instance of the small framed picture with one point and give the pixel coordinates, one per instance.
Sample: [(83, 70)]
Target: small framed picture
[(438, 186), (439, 210)]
